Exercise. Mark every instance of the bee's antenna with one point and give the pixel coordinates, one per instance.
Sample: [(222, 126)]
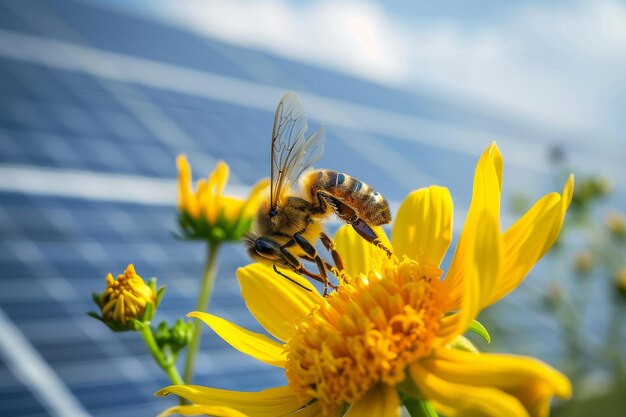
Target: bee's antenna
[(290, 279)]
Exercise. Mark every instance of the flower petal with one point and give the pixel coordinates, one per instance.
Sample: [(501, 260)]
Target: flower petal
[(485, 198), (198, 410), (186, 198), (267, 403), (480, 277), (357, 254), (532, 382), (530, 238), (423, 226), (456, 400), (251, 204), (212, 198), (256, 345), (263, 289), (380, 401)]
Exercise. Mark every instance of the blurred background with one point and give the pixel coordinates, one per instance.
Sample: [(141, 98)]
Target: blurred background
[(98, 97)]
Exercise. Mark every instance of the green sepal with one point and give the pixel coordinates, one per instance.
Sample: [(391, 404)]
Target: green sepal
[(242, 227), (95, 296), (418, 408), (148, 313), (135, 325), (480, 330), (463, 343), (95, 315), (152, 283), (415, 403), (159, 295), (222, 230)]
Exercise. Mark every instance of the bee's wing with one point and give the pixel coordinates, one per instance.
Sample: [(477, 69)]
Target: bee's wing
[(292, 152)]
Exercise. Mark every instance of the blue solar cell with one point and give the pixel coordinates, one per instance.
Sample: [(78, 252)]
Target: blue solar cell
[(27, 310), (17, 400)]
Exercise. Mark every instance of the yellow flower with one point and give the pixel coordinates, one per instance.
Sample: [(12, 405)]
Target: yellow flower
[(392, 323), (125, 298), (207, 213)]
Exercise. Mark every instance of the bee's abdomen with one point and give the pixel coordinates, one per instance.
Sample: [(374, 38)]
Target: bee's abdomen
[(369, 204)]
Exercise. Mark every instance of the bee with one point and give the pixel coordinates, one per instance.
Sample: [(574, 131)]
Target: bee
[(288, 222)]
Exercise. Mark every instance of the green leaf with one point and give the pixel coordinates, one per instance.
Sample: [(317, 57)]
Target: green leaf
[(480, 330)]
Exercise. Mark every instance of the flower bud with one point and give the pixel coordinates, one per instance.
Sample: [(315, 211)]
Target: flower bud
[(126, 300), (176, 337)]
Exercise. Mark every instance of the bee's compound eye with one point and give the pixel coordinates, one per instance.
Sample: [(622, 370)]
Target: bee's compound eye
[(273, 212), (265, 248)]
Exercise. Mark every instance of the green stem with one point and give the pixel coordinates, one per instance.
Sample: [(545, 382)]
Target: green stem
[(419, 408), (208, 279), (167, 364)]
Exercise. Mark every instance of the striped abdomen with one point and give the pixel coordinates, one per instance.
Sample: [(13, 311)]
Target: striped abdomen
[(369, 205)]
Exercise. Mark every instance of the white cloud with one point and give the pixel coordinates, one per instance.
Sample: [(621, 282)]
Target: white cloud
[(353, 37), (562, 66)]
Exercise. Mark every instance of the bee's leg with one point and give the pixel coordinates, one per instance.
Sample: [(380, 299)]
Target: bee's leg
[(330, 246), (350, 216), (310, 251), (367, 233)]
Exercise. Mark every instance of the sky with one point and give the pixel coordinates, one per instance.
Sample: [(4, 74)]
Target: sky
[(559, 64)]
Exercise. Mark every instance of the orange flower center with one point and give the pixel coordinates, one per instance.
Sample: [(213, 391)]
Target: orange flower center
[(365, 333)]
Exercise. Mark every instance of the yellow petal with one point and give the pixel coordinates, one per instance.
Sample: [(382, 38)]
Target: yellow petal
[(485, 198), (423, 226), (271, 402), (186, 199), (251, 204), (530, 238), (275, 302), (231, 208), (532, 382), (212, 196), (221, 176), (202, 410), (256, 345), (380, 401), (357, 254), (459, 400), (480, 277)]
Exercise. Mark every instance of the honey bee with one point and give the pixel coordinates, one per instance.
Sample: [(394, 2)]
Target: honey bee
[(288, 222)]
